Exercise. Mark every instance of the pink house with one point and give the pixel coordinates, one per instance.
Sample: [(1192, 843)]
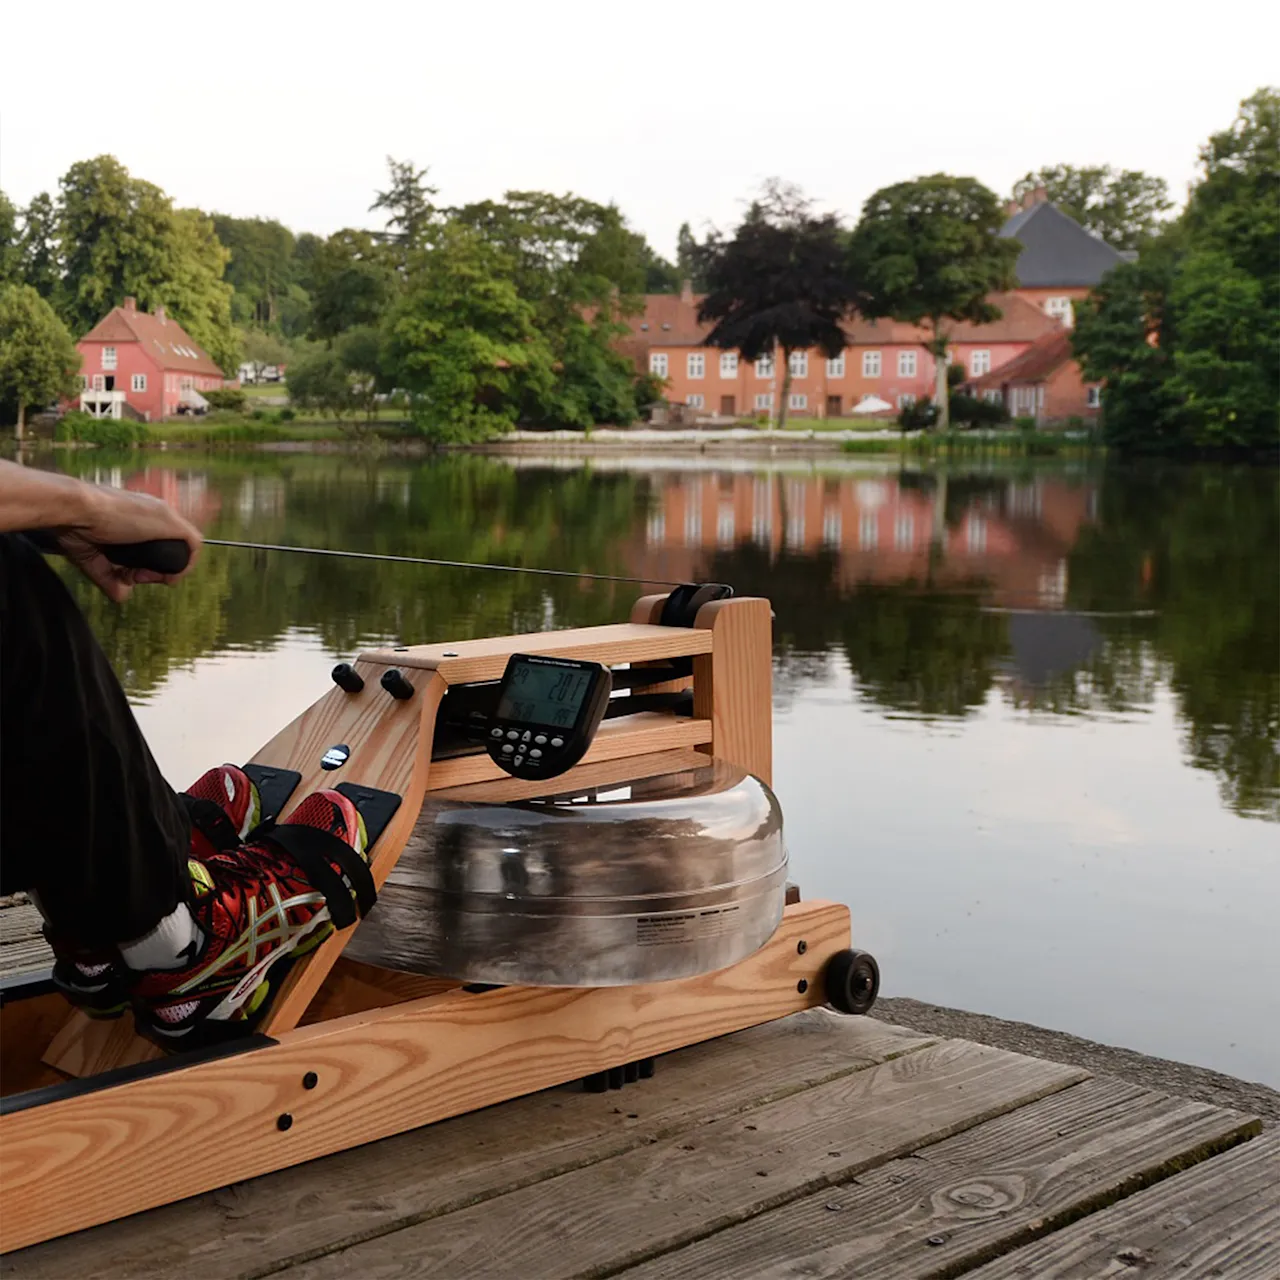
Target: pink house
[(144, 366)]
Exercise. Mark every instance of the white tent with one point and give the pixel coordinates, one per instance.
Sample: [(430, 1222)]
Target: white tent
[(871, 404)]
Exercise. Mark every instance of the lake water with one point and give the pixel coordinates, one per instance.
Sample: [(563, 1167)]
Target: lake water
[(1027, 719)]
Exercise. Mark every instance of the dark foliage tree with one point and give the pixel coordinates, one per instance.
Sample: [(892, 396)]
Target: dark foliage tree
[(778, 285), (352, 282), (927, 252), (1124, 207), (689, 263), (41, 267)]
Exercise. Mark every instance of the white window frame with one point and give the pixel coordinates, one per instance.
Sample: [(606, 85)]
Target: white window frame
[(799, 364), (1093, 397), (871, 364), (110, 358), (99, 382), (659, 364), (696, 364), (764, 367), (835, 366), (797, 400), (1059, 307), (868, 531), (695, 401), (138, 382), (979, 363), (728, 364), (908, 364), (764, 400), (906, 400)]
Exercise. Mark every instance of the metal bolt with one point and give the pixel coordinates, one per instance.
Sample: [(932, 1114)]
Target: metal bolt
[(310, 1080), (801, 947), (284, 1121), (802, 986), (936, 1240)]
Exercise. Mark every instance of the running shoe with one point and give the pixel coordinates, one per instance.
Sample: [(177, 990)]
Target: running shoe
[(224, 806), (258, 908)]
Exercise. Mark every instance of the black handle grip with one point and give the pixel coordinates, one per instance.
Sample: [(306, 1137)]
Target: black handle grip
[(163, 555)]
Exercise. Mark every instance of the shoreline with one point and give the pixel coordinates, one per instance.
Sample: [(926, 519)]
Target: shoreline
[(1181, 1079)]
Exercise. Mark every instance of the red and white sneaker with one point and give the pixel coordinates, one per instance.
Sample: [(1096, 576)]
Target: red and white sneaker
[(257, 908), (224, 806)]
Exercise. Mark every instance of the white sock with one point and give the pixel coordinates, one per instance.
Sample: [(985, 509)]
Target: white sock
[(172, 944)]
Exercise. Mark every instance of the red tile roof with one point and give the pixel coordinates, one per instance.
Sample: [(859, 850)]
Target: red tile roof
[(162, 337), (671, 321), (1036, 363)]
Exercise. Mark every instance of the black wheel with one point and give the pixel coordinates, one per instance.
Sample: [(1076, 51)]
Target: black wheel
[(852, 981)]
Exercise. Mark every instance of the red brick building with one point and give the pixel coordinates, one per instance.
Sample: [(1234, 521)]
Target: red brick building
[(140, 365), (1044, 383)]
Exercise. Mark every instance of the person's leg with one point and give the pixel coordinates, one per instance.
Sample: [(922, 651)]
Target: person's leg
[(87, 822)]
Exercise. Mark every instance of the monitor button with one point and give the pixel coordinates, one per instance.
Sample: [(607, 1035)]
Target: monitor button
[(495, 733), (512, 734), (507, 748), (557, 742), (541, 739), (536, 753)]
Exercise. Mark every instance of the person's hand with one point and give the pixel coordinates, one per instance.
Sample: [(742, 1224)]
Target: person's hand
[(120, 515)]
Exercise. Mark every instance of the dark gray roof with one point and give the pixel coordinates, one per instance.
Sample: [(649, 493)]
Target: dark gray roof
[(1057, 250)]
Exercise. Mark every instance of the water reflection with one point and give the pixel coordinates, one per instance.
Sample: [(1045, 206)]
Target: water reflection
[(1068, 591)]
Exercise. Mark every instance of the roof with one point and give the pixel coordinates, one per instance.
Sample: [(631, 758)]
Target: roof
[(672, 321), (1036, 363), (1057, 250), (162, 337)]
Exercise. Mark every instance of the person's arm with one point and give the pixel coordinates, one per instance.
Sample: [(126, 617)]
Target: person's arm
[(88, 516)]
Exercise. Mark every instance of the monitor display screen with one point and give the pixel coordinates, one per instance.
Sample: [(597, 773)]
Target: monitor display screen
[(544, 695)]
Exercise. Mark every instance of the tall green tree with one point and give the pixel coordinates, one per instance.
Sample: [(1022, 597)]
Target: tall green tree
[(10, 242), (1185, 339), (689, 264), (263, 273), (119, 235), (41, 267), (351, 280), (927, 252), (38, 358), (408, 204), (1124, 207), (464, 342), (779, 284)]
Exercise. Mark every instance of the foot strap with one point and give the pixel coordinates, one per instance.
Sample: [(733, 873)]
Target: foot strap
[(316, 852)]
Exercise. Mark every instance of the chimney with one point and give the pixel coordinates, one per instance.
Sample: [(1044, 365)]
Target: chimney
[(1039, 195), (686, 292), (159, 314), (131, 304)]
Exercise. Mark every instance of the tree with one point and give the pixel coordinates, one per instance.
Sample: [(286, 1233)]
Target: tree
[(927, 252), (464, 342), (10, 242), (261, 270), (40, 253), (409, 208), (351, 283), (689, 259), (119, 235), (261, 348), (779, 283), (38, 359), (1184, 339), (1124, 207)]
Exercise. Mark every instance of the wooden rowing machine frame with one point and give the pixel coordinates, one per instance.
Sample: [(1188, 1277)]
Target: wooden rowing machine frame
[(105, 1125)]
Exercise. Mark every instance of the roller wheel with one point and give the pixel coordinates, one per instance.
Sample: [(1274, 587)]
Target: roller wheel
[(852, 981)]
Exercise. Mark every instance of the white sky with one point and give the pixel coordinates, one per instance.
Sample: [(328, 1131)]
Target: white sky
[(674, 111)]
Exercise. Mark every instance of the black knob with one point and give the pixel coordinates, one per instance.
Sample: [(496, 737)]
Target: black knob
[(345, 676), (395, 684)]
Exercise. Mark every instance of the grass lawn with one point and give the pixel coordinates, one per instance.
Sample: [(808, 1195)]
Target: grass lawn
[(841, 424), (257, 389)]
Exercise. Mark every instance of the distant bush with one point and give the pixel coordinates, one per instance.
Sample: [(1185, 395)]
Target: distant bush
[(227, 398), (83, 428), (973, 411), (920, 415), (287, 415), (1025, 422)]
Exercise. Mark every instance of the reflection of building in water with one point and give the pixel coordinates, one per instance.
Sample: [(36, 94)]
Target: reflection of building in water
[(1014, 535), (185, 491)]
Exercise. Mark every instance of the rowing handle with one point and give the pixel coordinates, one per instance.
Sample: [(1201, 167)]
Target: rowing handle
[(160, 555)]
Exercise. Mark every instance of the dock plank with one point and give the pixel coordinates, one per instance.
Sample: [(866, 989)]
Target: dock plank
[(264, 1223), (985, 1191), (1220, 1219), (652, 1199)]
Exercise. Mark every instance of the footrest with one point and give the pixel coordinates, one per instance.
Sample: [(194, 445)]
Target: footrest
[(376, 807), (275, 786)]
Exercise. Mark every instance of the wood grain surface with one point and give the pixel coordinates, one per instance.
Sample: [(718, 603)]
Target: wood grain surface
[(652, 1199), (264, 1223), (88, 1158), (1218, 1221), (987, 1190), (733, 684)]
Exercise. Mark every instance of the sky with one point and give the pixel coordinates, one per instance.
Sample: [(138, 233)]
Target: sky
[(674, 111)]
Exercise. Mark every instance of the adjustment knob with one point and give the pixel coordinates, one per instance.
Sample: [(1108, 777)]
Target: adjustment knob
[(345, 676), (394, 682)]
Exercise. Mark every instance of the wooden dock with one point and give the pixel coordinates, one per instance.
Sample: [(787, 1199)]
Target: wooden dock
[(817, 1146)]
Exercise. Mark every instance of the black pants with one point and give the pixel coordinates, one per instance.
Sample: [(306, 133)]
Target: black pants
[(86, 820)]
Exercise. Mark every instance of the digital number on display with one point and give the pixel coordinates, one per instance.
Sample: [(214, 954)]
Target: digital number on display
[(544, 695)]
